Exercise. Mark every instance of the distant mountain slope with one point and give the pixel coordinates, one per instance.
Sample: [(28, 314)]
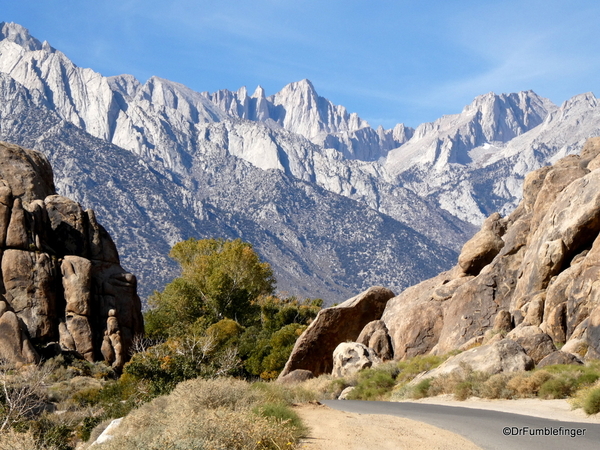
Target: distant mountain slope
[(347, 201), (166, 123), (319, 243), (487, 176)]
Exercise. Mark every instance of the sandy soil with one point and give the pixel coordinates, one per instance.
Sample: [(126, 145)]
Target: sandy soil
[(547, 409), (336, 430)]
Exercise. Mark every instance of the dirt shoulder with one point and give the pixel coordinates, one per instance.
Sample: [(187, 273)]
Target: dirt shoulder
[(337, 430)]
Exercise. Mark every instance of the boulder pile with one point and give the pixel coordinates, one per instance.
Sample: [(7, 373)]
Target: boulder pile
[(525, 285), (61, 283)]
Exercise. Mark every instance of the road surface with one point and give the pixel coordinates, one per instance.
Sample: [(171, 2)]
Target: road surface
[(490, 430)]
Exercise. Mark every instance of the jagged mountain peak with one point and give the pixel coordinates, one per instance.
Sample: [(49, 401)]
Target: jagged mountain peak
[(18, 34), (587, 99), (259, 92), (490, 118), (526, 104), (303, 88), (126, 85)]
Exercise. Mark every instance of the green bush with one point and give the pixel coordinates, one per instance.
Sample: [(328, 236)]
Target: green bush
[(528, 384), (282, 414), (275, 392), (591, 403), (421, 389), (463, 390), (556, 388), (87, 426), (495, 387), (373, 384), (419, 364)]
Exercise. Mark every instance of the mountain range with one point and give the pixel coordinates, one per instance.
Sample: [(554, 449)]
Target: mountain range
[(334, 205)]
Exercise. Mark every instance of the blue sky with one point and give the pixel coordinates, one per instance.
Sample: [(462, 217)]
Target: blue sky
[(407, 61)]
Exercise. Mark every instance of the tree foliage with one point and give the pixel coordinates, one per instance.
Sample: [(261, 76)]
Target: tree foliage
[(220, 316), (219, 279)]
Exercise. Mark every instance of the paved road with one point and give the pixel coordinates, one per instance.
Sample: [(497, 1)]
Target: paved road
[(491, 430)]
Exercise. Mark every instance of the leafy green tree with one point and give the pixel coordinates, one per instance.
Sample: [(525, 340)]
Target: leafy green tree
[(265, 347), (219, 317), (219, 279)]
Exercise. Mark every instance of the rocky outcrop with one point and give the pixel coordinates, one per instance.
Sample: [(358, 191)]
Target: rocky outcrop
[(61, 278), (503, 356), (375, 336), (535, 270), (314, 348), (296, 376), (559, 357), (530, 278)]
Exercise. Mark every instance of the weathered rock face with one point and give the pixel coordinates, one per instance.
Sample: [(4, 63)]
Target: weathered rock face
[(314, 348), (531, 277), (375, 336), (536, 270), (61, 280), (296, 376), (502, 356), (350, 358), (559, 357)]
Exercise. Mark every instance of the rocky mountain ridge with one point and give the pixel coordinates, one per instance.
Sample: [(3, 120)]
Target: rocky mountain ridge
[(180, 138), (313, 238), (436, 180)]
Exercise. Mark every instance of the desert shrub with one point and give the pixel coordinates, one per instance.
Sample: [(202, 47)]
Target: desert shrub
[(495, 387), (373, 384), (528, 384), (22, 394), (420, 390), (318, 388), (419, 364), (21, 440), (222, 413), (87, 426), (163, 366), (335, 387), (216, 393), (591, 402), (67, 366), (463, 390), (288, 394), (462, 383), (583, 375), (49, 433), (283, 415), (556, 388)]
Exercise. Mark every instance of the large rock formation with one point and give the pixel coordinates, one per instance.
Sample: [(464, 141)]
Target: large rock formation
[(530, 279), (535, 271), (61, 280), (314, 348)]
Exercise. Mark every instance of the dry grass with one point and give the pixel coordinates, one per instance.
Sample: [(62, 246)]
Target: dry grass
[(217, 414), (13, 440), (320, 387)]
